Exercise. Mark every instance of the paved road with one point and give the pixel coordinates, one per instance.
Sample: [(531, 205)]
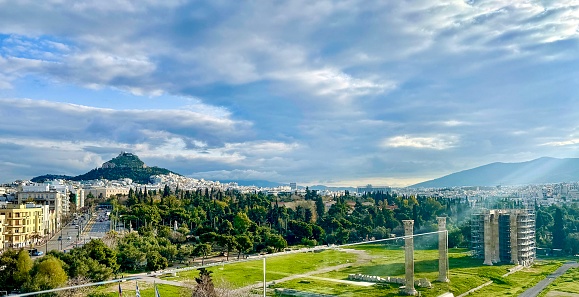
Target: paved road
[(72, 236), (538, 288), (68, 236)]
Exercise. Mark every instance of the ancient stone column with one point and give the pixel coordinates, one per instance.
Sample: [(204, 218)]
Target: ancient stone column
[(495, 237), (488, 240), (514, 239), (409, 256), (442, 250)]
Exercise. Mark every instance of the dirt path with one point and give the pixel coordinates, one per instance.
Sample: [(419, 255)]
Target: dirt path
[(165, 282)]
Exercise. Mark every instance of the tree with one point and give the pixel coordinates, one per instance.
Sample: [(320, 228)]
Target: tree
[(244, 244), (97, 250), (46, 274), (320, 207), (202, 249), (228, 242), (241, 223), (277, 242), (155, 261), (558, 230), (130, 257), (205, 287), (8, 270), (23, 266)]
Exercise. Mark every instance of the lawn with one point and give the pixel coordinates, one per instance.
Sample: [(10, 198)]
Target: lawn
[(337, 289), (146, 290), (251, 272), (388, 260), (384, 260), (518, 282), (568, 282)]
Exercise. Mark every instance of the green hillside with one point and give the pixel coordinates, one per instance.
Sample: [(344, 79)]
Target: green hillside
[(125, 165), (139, 175)]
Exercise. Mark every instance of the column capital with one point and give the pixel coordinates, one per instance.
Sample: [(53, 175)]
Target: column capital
[(441, 223)]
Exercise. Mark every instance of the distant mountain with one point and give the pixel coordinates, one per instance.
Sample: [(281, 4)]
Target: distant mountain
[(125, 165), (538, 171), (257, 183)]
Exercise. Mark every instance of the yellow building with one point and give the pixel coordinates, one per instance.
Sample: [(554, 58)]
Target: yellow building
[(2, 223), (23, 224)]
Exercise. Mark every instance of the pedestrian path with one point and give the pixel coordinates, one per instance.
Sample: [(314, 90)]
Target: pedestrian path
[(538, 288)]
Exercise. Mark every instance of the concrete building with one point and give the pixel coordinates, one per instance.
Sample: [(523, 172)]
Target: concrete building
[(106, 192), (23, 224), (43, 195), (504, 235), (367, 189)]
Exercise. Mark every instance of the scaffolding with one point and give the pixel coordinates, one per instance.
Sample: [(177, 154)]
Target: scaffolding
[(504, 235), (477, 235)]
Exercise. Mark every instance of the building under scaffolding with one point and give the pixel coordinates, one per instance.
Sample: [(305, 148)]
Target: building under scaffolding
[(504, 235)]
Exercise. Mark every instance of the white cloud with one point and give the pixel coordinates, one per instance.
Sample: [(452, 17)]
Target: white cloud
[(289, 87), (569, 142), (435, 142)]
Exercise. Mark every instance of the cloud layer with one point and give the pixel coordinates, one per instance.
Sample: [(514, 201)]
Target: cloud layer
[(323, 91)]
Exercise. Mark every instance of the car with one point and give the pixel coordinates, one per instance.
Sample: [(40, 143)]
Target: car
[(38, 253), (69, 238), (60, 238), (76, 226)]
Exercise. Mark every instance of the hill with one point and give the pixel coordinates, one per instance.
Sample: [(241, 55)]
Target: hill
[(43, 178), (125, 165), (538, 171)]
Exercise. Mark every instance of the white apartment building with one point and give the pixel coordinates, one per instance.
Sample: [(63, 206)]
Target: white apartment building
[(41, 194)]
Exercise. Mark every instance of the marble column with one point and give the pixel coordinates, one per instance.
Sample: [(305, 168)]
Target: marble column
[(442, 250), (409, 256)]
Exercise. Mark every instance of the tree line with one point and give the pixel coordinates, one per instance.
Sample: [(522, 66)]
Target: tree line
[(179, 226)]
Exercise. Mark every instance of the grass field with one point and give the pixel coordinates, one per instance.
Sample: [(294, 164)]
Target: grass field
[(465, 274), (251, 272), (518, 282), (146, 290), (381, 260), (568, 282)]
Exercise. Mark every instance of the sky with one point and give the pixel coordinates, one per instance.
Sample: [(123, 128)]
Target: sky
[(314, 92)]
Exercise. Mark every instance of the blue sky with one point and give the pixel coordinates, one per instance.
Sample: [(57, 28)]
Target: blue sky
[(332, 92)]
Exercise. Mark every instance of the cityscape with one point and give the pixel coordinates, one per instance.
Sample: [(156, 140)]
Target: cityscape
[(289, 148)]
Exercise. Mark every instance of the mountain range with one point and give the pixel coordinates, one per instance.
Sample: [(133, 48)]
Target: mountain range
[(539, 171)]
